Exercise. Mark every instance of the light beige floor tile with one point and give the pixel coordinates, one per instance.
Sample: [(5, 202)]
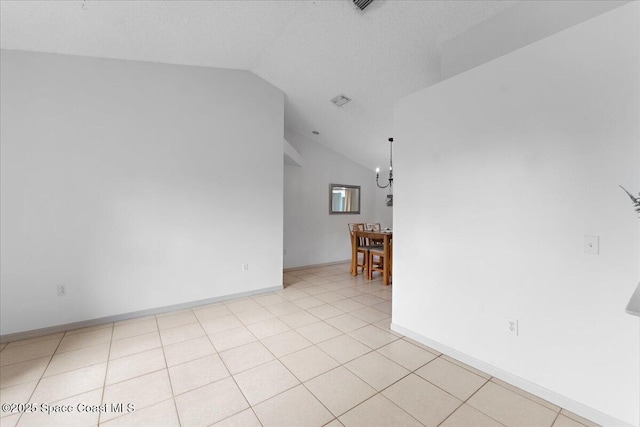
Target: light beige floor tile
[(232, 338), (171, 320), (385, 294), (22, 353), (530, 396), (509, 408), (421, 399), (348, 305), (369, 314), (349, 292), (564, 421), (11, 420), (108, 325), (318, 332), (298, 319), (378, 412), (246, 357), (84, 339), (70, 360), (325, 311), (316, 280), (211, 311), (161, 414), (466, 416), (291, 294), (268, 328), (125, 368), (343, 348), (237, 306), (406, 354), (312, 289), (246, 418), (197, 373), (134, 319), (61, 386), (334, 423), (330, 297), (269, 299), (19, 393), (181, 333), (76, 417), (2, 346), (429, 349), (186, 351), (142, 392), (373, 336), (308, 302), (223, 323), (578, 418), (254, 315), (385, 325), (133, 345), (262, 382), (286, 343), (210, 404), (367, 299), (340, 390), (467, 367), (346, 322), (296, 407), (282, 308), (337, 282), (376, 370), (18, 373), (451, 378), (308, 363), (133, 329), (57, 336), (384, 307)]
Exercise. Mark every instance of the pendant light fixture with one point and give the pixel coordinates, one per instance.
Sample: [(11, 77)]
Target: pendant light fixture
[(389, 183)]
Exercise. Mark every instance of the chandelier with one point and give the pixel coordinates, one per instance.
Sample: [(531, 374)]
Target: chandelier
[(390, 179)]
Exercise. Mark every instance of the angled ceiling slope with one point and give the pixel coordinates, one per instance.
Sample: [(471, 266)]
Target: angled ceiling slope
[(312, 50)]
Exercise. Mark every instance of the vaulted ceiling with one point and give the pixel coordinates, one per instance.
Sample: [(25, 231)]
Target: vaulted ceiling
[(312, 50)]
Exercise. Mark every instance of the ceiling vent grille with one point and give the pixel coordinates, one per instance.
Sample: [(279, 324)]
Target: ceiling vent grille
[(362, 4), (340, 100)]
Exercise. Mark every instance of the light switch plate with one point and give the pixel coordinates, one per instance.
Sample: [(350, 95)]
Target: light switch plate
[(592, 245)]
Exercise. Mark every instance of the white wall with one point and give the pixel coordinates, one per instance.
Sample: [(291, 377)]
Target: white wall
[(505, 168), (311, 235), (137, 185)]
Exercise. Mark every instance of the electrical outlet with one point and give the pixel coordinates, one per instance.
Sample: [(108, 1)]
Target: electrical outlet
[(62, 290), (245, 267), (512, 326)]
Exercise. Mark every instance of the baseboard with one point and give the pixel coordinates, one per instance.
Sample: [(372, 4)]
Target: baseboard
[(543, 393), (17, 336), (325, 264)]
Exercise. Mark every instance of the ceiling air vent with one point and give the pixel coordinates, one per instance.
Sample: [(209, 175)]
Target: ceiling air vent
[(362, 4), (340, 100)]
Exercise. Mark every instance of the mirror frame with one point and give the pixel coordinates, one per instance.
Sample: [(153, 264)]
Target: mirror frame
[(335, 212)]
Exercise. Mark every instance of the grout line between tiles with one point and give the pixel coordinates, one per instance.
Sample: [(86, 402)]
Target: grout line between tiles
[(164, 355)]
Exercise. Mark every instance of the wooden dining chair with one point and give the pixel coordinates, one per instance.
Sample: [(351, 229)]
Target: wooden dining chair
[(376, 261), (358, 246), (374, 227)]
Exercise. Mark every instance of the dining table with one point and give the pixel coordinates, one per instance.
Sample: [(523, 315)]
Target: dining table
[(384, 236)]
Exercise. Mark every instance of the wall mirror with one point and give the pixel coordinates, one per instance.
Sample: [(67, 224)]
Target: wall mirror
[(344, 199)]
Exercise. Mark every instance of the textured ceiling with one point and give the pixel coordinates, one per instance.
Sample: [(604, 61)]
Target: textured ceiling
[(312, 50)]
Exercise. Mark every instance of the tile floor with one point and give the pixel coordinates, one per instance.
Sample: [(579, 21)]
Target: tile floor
[(318, 353)]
